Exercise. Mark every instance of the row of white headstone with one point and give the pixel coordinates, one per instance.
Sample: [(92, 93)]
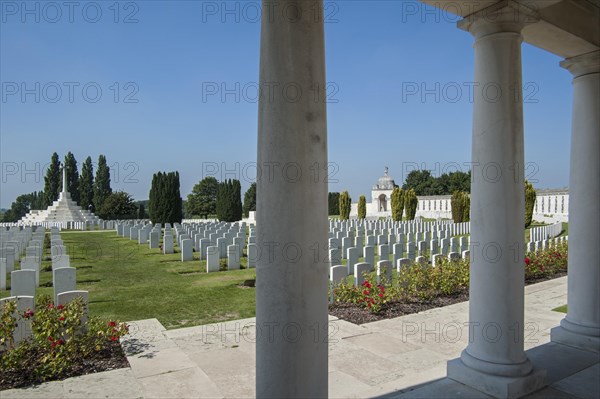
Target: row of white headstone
[(541, 233), (24, 281), (338, 273), (212, 241), (386, 226)]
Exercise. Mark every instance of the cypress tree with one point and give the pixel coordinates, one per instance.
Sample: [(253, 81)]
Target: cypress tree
[(86, 184), (457, 203), (530, 196), (102, 183), (397, 203), (236, 200), (250, 200), (165, 202), (52, 181), (362, 207), (410, 204), (345, 205), (466, 207), (333, 200)]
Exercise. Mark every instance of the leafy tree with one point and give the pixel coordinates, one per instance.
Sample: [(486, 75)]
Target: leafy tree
[(345, 205), (410, 204), (72, 175), (397, 203), (52, 181), (250, 200), (229, 201), (166, 205), (22, 205), (202, 201), (421, 182), (86, 184), (118, 205), (530, 196), (458, 181), (333, 200), (102, 183), (362, 207), (425, 184)]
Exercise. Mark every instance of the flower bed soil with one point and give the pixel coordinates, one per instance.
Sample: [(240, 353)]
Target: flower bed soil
[(110, 358)]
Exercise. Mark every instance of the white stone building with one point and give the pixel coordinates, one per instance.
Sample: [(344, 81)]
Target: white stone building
[(551, 205)]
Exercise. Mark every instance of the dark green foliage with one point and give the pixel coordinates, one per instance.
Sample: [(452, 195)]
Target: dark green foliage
[(86, 184), (102, 183), (202, 202), (142, 212), (250, 200), (229, 201), (466, 207), (530, 196), (425, 184), (410, 204), (52, 181), (460, 203), (72, 175), (362, 207), (333, 200), (166, 205), (118, 205), (345, 205), (23, 204), (397, 203)]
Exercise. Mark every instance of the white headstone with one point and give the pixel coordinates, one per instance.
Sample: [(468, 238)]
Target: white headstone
[(65, 297), (213, 257), (168, 244), (359, 270), (59, 261), (337, 275), (369, 255), (63, 279), (22, 283), (252, 255), (384, 268), (233, 257), (187, 250)]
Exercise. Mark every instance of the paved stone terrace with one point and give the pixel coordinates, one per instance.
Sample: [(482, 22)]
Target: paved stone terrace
[(403, 357)]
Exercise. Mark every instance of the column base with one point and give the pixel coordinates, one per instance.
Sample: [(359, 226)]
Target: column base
[(563, 336), (494, 385)]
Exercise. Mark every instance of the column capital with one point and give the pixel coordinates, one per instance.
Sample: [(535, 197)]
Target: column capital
[(504, 16), (583, 64)]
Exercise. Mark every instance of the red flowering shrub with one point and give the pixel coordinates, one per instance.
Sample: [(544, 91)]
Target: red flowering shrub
[(59, 338), (546, 262), (446, 279)]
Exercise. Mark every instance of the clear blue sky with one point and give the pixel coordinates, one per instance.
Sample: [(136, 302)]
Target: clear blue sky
[(374, 49)]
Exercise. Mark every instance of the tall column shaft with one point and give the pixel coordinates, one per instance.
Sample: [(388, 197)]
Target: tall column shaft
[(581, 326), (291, 274), (497, 207), (494, 360)]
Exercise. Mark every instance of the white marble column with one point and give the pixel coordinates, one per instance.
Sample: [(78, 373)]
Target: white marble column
[(494, 360), (292, 224), (581, 326)]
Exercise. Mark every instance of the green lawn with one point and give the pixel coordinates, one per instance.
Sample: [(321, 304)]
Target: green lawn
[(562, 309), (127, 281)]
